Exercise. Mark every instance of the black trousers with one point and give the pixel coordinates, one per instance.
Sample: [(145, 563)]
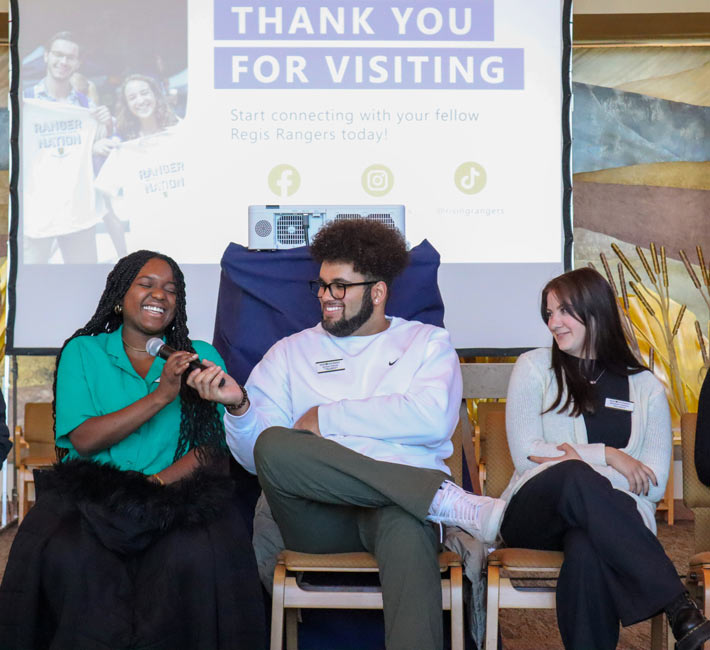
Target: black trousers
[(614, 568)]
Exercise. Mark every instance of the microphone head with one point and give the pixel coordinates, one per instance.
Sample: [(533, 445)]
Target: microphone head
[(152, 347)]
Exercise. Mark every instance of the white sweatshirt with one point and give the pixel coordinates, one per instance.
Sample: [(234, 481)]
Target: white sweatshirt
[(393, 396)]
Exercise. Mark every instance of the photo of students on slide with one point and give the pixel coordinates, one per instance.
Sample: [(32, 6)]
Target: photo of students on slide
[(84, 94), (144, 172)]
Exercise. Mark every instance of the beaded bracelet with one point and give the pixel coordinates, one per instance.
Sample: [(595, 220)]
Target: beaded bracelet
[(244, 400)]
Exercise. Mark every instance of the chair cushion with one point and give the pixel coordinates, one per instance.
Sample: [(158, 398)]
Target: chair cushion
[(44, 460), (295, 561), (700, 558), (38, 450), (526, 566), (525, 558)]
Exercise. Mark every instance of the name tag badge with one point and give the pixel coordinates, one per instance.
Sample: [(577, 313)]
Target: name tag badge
[(330, 365), (619, 405)]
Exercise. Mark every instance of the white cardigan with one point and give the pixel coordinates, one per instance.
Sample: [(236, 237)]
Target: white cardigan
[(533, 388)]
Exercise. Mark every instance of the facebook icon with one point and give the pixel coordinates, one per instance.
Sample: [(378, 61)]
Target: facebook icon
[(284, 180)]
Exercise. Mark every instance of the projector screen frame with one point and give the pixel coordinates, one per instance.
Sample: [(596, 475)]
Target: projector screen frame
[(566, 199)]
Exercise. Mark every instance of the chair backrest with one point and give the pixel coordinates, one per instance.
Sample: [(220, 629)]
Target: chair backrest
[(455, 461), (499, 464), (485, 381), (38, 429), (694, 492), (39, 422), (696, 496)]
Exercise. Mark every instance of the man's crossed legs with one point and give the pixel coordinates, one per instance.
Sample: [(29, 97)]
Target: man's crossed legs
[(329, 499)]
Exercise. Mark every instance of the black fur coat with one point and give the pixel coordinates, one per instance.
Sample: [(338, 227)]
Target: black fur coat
[(107, 560)]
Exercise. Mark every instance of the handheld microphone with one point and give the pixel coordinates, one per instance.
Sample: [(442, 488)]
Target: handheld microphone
[(156, 348)]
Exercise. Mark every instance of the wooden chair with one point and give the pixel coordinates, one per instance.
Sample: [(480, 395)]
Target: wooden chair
[(288, 595), (506, 565), (696, 496), (34, 449)]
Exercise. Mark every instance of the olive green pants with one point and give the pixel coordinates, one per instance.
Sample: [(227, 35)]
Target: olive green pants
[(329, 499)]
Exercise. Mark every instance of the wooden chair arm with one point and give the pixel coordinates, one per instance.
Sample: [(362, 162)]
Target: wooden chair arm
[(19, 440)]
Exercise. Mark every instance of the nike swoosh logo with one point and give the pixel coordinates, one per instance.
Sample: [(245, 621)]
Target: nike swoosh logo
[(393, 362)]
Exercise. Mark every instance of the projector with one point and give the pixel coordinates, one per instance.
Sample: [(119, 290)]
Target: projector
[(277, 227)]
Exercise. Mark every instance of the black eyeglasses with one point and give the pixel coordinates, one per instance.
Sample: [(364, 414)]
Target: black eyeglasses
[(337, 289)]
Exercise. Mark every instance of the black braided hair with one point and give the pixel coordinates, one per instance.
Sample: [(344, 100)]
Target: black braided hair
[(201, 427)]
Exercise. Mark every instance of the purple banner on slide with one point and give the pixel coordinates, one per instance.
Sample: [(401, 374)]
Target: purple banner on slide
[(355, 20), (369, 68)]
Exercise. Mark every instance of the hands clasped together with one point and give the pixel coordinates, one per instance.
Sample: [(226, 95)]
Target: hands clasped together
[(636, 473)]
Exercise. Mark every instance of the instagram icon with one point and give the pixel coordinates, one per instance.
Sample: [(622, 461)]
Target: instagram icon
[(377, 180)]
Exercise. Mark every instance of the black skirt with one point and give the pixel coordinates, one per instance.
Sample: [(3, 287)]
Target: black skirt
[(107, 560)]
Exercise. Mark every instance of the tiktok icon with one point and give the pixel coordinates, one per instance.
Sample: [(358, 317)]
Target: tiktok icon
[(470, 177)]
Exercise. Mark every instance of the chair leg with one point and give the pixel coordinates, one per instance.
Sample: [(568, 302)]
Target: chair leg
[(456, 581), (292, 628), (658, 629), (697, 585), (706, 597), (277, 608), (492, 598), (21, 503), (669, 496)]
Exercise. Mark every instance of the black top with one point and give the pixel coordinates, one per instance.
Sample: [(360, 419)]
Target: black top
[(608, 425), (5, 444), (702, 433)]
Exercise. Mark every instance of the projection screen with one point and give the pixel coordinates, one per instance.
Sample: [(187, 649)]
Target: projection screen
[(157, 123)]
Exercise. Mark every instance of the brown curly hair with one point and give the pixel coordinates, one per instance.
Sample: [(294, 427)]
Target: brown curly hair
[(374, 249)]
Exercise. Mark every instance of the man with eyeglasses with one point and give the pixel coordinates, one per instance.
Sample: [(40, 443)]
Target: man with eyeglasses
[(347, 424), (59, 194)]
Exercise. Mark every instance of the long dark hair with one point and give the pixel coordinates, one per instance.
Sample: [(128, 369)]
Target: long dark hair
[(128, 126), (201, 427), (589, 299)]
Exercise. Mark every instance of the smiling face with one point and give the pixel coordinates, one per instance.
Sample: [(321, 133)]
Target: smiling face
[(569, 333), (149, 303), (62, 59), (140, 98), (352, 314)]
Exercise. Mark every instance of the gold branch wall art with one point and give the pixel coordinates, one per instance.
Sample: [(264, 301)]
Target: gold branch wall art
[(664, 334)]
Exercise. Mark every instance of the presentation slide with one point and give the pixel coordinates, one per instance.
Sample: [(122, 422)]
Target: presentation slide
[(156, 124)]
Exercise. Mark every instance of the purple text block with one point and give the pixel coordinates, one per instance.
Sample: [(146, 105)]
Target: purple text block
[(355, 20), (369, 68)]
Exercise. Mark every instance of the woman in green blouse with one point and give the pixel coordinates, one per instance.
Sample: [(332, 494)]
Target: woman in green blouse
[(135, 539), (117, 404)]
